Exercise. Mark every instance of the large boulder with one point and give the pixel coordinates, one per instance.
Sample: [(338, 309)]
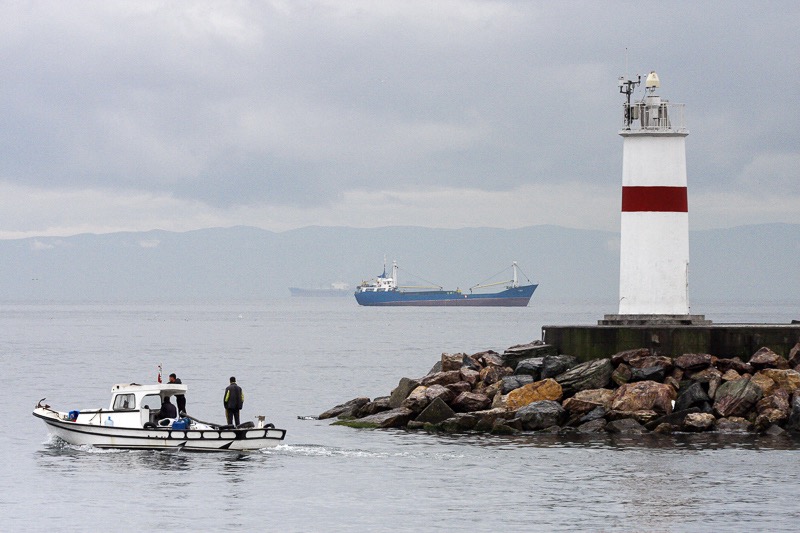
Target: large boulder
[(417, 400), (794, 356), (587, 400), (793, 423), (541, 415), (734, 424), (470, 401), (493, 374), (547, 389), (734, 364), (644, 395), (650, 361), (510, 383), (452, 361), (387, 419), (441, 378), (375, 406), (766, 358), (774, 408), (515, 354), (764, 382), (675, 418), (347, 409), (439, 391), (693, 395), (625, 426), (736, 398), (698, 422), (693, 362), (470, 375), (590, 375), (627, 355), (553, 365), (622, 374), (648, 373), (436, 411), (402, 391), (531, 367), (787, 380)]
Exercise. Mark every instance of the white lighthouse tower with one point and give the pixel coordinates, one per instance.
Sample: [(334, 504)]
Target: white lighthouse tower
[(654, 239)]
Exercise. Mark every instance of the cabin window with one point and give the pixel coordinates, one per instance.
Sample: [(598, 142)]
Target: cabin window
[(152, 402), (124, 401)]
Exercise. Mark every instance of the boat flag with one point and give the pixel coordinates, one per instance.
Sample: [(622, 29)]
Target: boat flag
[(159, 372)]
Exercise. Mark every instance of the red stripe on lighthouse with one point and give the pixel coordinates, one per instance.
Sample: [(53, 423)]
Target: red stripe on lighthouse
[(663, 199)]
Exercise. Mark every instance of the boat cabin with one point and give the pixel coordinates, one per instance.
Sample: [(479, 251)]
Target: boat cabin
[(132, 405)]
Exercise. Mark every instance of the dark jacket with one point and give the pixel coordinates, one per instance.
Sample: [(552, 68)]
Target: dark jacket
[(168, 411), (234, 397)]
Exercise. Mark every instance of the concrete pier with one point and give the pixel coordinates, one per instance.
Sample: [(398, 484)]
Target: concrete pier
[(672, 339)]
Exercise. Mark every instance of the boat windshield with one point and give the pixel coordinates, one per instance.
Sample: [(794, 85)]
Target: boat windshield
[(124, 401), (152, 402)]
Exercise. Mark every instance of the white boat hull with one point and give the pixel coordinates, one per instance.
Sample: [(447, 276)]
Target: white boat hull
[(159, 438)]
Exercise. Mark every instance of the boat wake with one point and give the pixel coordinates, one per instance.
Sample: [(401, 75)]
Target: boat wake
[(316, 450)]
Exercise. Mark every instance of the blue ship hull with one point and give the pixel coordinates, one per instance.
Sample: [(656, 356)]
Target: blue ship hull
[(512, 297)]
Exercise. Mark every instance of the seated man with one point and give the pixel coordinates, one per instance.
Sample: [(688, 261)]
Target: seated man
[(167, 409)]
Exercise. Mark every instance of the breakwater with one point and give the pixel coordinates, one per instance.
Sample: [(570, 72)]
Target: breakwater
[(531, 387)]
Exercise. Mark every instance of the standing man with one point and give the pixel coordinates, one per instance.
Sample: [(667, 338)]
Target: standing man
[(233, 401), (180, 398)]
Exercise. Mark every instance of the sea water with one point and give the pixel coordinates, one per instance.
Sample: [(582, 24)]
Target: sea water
[(295, 358)]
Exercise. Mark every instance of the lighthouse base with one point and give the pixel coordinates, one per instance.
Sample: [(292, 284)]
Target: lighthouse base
[(722, 340), (644, 320)]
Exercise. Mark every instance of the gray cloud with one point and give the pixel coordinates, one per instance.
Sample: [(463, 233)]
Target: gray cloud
[(296, 103)]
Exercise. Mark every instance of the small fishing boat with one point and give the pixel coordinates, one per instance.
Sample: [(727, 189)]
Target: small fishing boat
[(132, 422), (385, 291)]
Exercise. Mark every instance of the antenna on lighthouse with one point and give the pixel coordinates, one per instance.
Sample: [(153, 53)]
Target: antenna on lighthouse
[(626, 87)]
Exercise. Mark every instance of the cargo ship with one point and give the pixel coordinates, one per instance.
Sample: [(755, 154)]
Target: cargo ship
[(384, 291)]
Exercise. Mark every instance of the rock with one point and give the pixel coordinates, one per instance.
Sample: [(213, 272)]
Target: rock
[(650, 373), (489, 358), (469, 375), (775, 407), (733, 424), (402, 391), (764, 382), (775, 431), (547, 389), (439, 391), (693, 361), (594, 414), (698, 422), (417, 400), (644, 395), (736, 398), (627, 355), (531, 367), (734, 364), (553, 365), (674, 419), (643, 416), (622, 374), (691, 396), (766, 358), (388, 419), (514, 355), (488, 418), (510, 383), (435, 369), (541, 415), (470, 401), (441, 378), (794, 355), (587, 400), (787, 380), (706, 375), (502, 427), (492, 390), (649, 361), (459, 387), (730, 375), (590, 375), (664, 429), (493, 374), (713, 385), (793, 423), (345, 409), (375, 406), (452, 361), (593, 426), (436, 411), (625, 425), (471, 363)]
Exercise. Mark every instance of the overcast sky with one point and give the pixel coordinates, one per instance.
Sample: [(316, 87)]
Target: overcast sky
[(281, 114)]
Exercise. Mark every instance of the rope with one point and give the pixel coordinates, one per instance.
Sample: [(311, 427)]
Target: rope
[(419, 277)]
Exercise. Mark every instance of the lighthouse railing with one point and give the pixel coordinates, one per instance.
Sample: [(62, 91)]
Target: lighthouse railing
[(660, 117)]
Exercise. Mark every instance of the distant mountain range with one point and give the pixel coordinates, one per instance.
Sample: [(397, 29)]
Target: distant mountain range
[(749, 263)]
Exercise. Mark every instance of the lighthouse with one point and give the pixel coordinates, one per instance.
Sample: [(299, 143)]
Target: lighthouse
[(654, 230)]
